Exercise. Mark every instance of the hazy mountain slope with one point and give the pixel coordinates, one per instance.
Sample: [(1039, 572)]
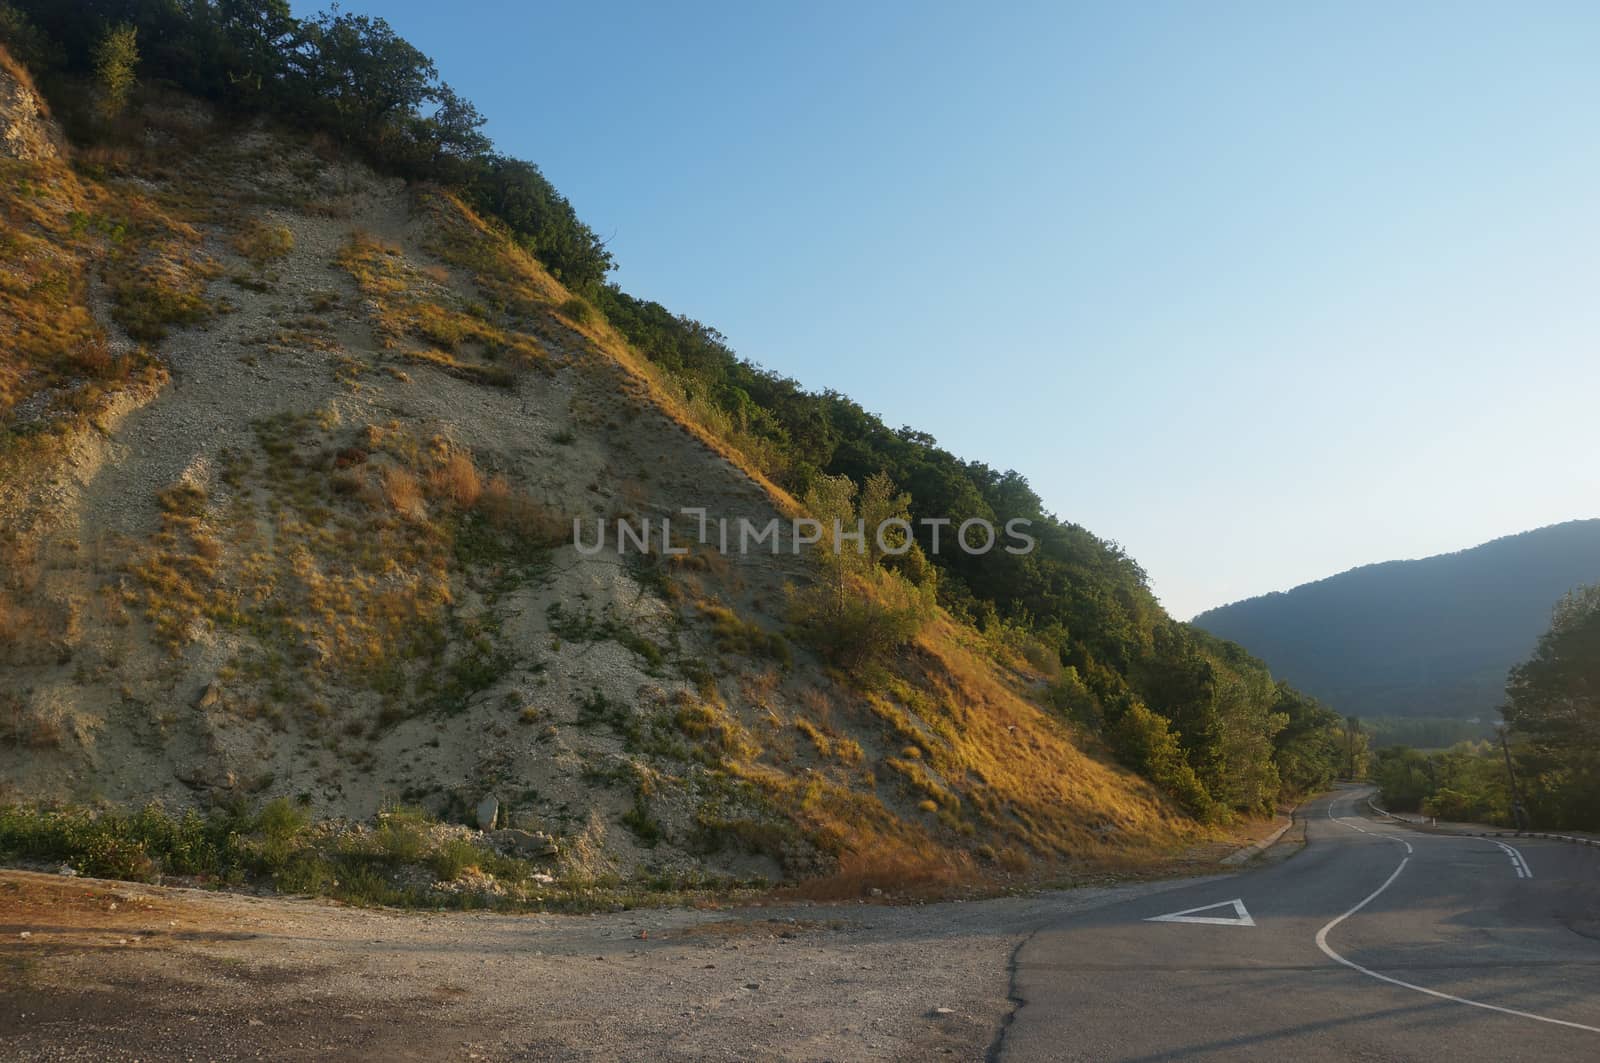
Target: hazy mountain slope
[(315, 543), (1431, 637)]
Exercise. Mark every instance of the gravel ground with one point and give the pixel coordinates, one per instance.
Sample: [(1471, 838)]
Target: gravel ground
[(95, 970)]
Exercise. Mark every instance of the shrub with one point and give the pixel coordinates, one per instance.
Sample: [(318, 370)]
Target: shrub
[(578, 311), (1143, 741), (116, 57), (639, 820), (262, 243), (736, 635), (454, 857), (859, 625)]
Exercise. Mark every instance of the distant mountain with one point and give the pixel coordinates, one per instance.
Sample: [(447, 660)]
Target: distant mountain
[(1433, 637)]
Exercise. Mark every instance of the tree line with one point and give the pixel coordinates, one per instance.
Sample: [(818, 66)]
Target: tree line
[(1198, 715)]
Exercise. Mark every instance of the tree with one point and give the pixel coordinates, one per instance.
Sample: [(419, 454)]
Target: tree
[(454, 131), (856, 612), (1143, 741), (1553, 711), (366, 79), (116, 58)]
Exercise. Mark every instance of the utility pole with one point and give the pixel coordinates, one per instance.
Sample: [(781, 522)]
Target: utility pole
[(1519, 811)]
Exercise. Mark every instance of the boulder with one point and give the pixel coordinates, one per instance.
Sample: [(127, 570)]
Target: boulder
[(488, 812)]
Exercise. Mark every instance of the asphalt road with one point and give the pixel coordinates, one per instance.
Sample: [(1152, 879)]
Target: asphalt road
[(1376, 942)]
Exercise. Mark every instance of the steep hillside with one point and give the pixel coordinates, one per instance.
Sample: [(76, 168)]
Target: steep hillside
[(1432, 637), (305, 531)]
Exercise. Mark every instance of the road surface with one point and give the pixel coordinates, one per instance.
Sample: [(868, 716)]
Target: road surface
[(1376, 942)]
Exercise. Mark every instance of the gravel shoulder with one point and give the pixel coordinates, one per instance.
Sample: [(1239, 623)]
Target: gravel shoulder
[(91, 969)]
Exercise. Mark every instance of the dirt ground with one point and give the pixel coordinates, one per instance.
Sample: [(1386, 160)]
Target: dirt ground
[(98, 970)]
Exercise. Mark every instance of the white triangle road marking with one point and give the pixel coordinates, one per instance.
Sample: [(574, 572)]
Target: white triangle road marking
[(1239, 918)]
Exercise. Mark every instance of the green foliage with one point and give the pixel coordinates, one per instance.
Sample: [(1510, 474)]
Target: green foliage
[(856, 613), (1425, 732), (116, 58), (1314, 747), (138, 846), (1143, 741), (454, 857), (1466, 783), (347, 74), (1553, 711), (25, 42)]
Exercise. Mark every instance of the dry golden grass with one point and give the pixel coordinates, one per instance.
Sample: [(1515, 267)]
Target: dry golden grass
[(1020, 771), (59, 229), (515, 281), (514, 512), (900, 873), (457, 480), (412, 315), (403, 493)]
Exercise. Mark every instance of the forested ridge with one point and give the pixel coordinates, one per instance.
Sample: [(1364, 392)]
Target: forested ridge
[(1198, 715)]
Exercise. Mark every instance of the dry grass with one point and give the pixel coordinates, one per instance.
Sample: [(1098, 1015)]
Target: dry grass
[(897, 873), (9, 64), (403, 493), (60, 229), (413, 315), (457, 480), (534, 302), (515, 513), (263, 243)]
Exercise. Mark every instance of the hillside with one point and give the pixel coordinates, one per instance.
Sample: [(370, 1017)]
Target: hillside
[(304, 391), (1430, 637)]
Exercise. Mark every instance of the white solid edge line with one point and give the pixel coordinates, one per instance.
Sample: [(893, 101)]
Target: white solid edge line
[(1322, 943), (1519, 863)]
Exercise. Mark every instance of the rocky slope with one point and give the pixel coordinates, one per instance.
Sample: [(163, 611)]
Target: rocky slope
[(302, 527)]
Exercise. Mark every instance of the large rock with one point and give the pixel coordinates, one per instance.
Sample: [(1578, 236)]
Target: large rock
[(488, 812)]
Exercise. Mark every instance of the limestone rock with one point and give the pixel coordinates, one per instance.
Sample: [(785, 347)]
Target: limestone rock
[(488, 812), (26, 131)]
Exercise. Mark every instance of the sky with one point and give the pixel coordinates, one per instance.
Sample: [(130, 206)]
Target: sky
[(1260, 292)]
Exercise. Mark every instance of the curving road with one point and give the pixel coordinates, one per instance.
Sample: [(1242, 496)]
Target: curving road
[(1376, 942)]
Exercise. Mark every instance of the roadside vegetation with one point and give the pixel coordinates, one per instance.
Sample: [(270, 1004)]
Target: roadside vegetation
[(1552, 731), (405, 858)]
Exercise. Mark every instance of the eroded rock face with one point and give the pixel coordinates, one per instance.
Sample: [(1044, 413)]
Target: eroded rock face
[(26, 131)]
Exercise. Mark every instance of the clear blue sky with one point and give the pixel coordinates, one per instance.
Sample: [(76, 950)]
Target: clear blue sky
[(1260, 291)]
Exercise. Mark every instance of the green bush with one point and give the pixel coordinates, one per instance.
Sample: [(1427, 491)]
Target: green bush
[(858, 627), (455, 856), (578, 310), (1143, 741)]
